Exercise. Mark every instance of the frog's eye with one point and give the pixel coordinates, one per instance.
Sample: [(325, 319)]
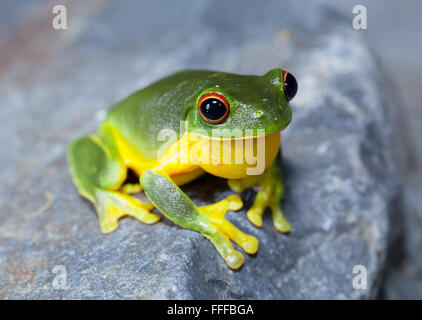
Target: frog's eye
[(289, 86), (213, 108)]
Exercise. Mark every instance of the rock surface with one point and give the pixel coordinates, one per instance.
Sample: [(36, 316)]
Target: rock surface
[(404, 276), (340, 152)]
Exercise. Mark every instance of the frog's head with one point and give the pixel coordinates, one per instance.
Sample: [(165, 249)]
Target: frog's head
[(249, 103), (232, 107)]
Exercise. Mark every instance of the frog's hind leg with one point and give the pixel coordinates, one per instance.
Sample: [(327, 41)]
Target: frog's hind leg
[(270, 195), (98, 173)]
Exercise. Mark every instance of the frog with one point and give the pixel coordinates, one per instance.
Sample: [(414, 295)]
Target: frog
[(165, 135)]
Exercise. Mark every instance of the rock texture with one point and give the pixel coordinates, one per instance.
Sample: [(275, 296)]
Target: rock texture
[(340, 152), (404, 274)]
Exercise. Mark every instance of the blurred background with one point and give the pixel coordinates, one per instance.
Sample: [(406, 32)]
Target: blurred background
[(393, 33)]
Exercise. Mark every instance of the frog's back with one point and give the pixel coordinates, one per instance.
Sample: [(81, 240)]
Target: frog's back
[(162, 105)]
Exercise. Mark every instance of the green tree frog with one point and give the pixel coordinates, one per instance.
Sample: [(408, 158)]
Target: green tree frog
[(165, 133)]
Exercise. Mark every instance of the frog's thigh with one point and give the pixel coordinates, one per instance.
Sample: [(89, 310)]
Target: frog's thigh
[(208, 220), (97, 173)]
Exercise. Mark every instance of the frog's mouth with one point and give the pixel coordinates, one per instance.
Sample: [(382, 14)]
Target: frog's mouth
[(225, 135)]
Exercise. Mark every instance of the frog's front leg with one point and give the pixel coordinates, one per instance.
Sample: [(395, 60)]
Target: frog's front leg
[(208, 220), (270, 195)]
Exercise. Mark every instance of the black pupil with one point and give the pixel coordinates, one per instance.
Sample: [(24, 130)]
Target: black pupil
[(290, 86), (213, 109)]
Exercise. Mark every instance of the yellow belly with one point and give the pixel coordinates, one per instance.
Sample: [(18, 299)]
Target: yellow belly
[(192, 155)]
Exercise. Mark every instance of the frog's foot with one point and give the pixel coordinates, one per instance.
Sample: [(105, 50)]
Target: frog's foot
[(208, 220), (269, 195), (216, 213), (112, 205)]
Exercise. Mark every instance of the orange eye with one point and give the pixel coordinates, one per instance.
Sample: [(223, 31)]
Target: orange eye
[(289, 86), (213, 108)]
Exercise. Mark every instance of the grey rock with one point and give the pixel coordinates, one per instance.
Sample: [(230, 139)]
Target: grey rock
[(404, 276), (340, 153)]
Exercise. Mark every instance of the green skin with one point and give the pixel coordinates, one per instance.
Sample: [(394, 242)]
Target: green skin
[(97, 167)]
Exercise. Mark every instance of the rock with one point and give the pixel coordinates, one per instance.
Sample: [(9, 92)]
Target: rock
[(404, 276), (341, 156)]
